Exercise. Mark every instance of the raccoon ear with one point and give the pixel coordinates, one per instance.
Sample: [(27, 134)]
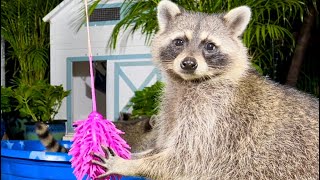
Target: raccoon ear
[(237, 19), (167, 10)]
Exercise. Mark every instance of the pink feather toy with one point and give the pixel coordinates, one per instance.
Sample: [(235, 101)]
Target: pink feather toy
[(92, 133)]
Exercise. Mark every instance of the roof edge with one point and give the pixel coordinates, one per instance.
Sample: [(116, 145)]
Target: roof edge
[(58, 8)]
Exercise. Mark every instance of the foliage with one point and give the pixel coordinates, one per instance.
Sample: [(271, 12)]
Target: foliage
[(14, 126), (146, 101), (39, 101), (6, 99), (270, 35), (79, 19), (27, 36)]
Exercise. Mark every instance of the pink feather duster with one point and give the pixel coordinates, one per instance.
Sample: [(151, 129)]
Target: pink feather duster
[(92, 133)]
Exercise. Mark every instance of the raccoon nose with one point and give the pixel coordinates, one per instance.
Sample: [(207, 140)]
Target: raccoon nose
[(189, 64)]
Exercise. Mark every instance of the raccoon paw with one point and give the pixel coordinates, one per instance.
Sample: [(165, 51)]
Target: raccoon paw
[(108, 162)]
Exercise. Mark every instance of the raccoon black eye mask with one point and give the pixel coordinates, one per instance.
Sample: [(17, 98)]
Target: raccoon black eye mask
[(211, 53), (170, 52), (213, 56)]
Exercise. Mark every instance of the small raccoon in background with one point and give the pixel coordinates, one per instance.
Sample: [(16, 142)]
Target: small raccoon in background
[(139, 133), (48, 140), (219, 119)]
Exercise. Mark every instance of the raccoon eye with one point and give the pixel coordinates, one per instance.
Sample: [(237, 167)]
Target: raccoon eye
[(178, 42), (210, 46)]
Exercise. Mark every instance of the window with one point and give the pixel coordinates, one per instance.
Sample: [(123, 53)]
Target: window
[(105, 14)]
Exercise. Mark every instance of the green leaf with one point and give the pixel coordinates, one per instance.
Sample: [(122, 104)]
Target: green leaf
[(146, 101)]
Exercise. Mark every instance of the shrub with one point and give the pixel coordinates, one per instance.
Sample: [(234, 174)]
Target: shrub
[(146, 101)]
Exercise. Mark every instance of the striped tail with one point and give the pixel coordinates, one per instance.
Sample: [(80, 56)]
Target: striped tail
[(47, 139)]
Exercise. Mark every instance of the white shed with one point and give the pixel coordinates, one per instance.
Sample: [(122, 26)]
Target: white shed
[(128, 68)]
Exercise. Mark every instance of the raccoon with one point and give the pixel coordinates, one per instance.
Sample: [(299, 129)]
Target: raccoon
[(138, 134), (48, 140), (219, 119)]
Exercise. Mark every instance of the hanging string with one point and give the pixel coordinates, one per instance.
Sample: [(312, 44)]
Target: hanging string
[(93, 93)]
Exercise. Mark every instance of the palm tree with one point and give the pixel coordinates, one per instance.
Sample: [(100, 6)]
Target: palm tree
[(269, 36), (27, 36), (301, 47)]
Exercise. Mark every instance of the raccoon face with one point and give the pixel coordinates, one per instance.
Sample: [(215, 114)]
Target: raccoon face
[(197, 46)]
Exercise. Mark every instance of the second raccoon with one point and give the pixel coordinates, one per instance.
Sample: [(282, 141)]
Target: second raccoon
[(48, 140)]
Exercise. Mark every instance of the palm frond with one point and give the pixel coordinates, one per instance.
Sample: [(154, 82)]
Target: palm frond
[(79, 19), (137, 15), (269, 34), (27, 35)]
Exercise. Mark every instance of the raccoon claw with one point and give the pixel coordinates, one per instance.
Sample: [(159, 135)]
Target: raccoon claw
[(108, 161), (102, 176), (108, 151)]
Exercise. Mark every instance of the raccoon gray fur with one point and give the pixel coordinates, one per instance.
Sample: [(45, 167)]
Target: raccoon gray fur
[(220, 120), (48, 140), (139, 133)]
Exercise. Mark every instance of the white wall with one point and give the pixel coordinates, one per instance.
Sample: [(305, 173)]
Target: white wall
[(66, 43)]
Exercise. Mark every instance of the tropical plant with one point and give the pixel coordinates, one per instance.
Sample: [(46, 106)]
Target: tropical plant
[(39, 101), (146, 102), (6, 99), (11, 122), (304, 43), (27, 36), (269, 36)]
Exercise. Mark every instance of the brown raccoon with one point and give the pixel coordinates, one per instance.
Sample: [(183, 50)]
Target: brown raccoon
[(138, 133), (47, 139), (219, 119)]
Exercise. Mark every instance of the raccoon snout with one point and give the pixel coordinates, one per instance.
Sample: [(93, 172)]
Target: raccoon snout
[(189, 64)]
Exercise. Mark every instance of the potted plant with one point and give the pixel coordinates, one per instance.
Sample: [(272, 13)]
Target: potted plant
[(40, 102), (12, 124), (27, 49), (6, 94)]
